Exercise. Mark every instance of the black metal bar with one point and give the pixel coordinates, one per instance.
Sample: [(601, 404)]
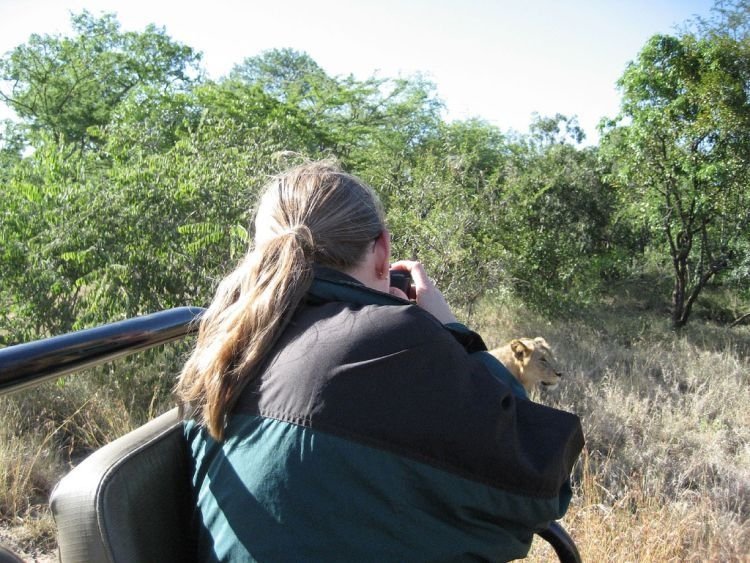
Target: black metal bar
[(561, 542), (25, 365)]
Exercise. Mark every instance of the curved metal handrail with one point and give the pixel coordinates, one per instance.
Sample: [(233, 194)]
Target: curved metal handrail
[(561, 542), (25, 365)]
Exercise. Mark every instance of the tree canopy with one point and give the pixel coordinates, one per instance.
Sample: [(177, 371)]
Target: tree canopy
[(682, 150), (68, 85), (129, 179)]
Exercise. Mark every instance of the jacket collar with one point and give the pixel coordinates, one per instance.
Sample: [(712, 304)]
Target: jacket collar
[(333, 285)]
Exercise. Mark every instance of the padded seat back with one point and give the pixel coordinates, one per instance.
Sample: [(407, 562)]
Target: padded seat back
[(129, 501)]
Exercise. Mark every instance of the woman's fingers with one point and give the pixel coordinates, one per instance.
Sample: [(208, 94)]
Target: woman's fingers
[(398, 293), (427, 295)]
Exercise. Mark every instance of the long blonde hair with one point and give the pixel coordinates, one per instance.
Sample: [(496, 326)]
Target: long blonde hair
[(313, 213)]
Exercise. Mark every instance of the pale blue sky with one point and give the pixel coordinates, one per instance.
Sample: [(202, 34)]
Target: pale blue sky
[(499, 60)]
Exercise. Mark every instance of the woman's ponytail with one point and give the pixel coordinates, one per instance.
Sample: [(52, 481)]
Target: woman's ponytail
[(251, 309)]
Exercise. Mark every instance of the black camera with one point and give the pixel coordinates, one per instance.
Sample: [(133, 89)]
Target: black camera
[(401, 279)]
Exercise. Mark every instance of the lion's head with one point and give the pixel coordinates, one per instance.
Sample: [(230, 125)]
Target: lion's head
[(531, 361)]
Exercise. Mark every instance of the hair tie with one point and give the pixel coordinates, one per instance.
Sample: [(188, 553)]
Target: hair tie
[(303, 236)]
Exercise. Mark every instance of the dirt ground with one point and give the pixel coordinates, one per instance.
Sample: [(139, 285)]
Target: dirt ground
[(9, 540)]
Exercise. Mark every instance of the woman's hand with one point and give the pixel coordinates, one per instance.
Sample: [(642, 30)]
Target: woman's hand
[(424, 291)]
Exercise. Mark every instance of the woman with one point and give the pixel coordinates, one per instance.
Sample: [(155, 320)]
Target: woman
[(329, 418)]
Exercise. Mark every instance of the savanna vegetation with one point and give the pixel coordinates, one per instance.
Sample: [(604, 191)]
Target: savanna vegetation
[(128, 180)]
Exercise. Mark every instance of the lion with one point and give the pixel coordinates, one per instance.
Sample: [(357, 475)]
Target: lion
[(530, 361)]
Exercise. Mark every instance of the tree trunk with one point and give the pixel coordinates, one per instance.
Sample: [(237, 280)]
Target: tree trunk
[(683, 296), (738, 320), (679, 312)]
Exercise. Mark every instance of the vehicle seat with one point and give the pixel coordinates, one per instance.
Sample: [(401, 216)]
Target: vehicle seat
[(129, 501)]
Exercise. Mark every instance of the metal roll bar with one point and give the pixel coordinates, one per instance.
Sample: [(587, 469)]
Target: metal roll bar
[(26, 365)]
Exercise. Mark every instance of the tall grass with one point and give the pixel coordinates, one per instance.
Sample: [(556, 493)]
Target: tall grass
[(46, 430), (665, 475)]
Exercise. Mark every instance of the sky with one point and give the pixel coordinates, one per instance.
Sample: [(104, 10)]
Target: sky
[(499, 60)]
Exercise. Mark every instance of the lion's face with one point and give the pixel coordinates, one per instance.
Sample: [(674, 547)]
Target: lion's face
[(535, 363)]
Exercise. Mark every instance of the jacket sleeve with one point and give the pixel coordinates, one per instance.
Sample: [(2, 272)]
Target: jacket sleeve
[(468, 339)]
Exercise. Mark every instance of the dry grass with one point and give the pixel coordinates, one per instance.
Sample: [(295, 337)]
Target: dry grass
[(46, 430), (640, 526), (666, 471)]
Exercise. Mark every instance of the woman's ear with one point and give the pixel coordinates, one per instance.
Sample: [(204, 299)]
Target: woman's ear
[(382, 250)]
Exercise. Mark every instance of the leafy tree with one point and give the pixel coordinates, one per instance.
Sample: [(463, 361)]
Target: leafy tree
[(556, 221), (150, 119), (168, 222), (728, 18), (84, 243), (38, 296), (11, 147), (249, 106), (358, 121), (441, 197), (680, 148), (559, 129), (286, 75), (66, 85)]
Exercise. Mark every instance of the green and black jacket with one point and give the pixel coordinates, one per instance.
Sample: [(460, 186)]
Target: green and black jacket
[(375, 433)]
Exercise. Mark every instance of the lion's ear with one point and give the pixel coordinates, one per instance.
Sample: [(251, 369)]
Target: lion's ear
[(541, 342), (519, 348)]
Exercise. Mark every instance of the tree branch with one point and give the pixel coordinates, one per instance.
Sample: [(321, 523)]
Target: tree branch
[(738, 320)]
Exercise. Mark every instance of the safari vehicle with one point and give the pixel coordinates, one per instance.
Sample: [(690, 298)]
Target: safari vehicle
[(129, 501)]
